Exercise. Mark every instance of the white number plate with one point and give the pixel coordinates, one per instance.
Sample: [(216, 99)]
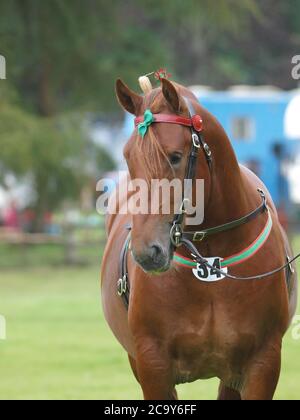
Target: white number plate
[(204, 273)]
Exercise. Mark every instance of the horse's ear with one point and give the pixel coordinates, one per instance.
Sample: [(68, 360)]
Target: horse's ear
[(128, 99), (171, 95)]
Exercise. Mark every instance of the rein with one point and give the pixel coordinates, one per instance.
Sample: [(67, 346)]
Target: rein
[(199, 258)]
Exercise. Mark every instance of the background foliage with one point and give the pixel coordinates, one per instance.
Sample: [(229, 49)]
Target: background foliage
[(63, 57)]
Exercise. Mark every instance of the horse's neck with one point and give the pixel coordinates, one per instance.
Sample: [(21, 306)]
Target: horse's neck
[(228, 199), (228, 194)]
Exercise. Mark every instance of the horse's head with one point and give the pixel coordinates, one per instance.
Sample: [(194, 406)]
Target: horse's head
[(160, 151)]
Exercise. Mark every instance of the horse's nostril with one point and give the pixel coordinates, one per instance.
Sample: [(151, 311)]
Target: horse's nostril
[(157, 252)]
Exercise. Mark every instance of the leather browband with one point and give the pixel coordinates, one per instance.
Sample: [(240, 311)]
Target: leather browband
[(195, 121)]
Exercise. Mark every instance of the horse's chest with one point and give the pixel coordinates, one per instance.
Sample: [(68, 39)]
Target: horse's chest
[(210, 350)]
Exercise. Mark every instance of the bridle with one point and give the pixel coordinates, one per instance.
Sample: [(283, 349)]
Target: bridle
[(195, 122), (198, 142), (180, 237)]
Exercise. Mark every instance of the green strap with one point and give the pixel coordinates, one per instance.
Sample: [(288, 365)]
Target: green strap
[(237, 258)]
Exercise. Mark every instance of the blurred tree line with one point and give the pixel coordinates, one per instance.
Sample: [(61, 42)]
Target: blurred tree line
[(63, 57)]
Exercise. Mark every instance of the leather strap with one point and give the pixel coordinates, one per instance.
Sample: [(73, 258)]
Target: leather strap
[(200, 235), (195, 121), (123, 287)]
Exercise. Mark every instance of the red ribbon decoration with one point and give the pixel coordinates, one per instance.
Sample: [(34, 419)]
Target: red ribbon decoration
[(162, 74)]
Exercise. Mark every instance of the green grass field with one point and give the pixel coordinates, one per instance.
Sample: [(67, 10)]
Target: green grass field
[(59, 347)]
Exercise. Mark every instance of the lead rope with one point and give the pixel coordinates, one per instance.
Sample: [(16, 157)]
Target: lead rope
[(201, 260)]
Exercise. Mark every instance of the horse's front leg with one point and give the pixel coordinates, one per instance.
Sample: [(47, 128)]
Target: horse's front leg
[(154, 372), (228, 394), (263, 373)]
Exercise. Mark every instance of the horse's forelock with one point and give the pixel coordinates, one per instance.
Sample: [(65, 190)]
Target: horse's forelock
[(151, 154)]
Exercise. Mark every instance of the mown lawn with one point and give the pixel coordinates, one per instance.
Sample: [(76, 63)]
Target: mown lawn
[(59, 347)]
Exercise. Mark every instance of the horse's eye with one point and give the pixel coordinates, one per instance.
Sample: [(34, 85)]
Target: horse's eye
[(175, 158)]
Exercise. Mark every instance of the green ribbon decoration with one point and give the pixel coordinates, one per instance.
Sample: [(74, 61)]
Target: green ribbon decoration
[(148, 120)]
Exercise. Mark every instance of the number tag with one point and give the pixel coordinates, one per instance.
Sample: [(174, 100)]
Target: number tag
[(204, 273)]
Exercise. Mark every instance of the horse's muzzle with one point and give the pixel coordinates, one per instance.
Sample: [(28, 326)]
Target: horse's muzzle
[(155, 259)]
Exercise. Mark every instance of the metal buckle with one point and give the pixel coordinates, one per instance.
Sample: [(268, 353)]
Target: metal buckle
[(263, 196), (199, 236), (207, 150), (122, 285), (196, 141), (176, 235), (291, 268)]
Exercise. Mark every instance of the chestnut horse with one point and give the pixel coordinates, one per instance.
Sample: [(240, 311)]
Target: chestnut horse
[(177, 328)]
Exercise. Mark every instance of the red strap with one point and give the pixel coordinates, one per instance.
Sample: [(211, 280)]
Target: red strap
[(195, 121)]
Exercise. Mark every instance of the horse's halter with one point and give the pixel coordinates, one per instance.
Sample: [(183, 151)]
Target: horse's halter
[(195, 123)]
